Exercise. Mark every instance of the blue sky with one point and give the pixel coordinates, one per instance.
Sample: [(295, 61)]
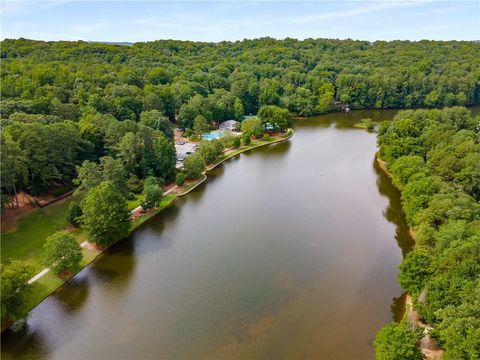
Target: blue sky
[(235, 20)]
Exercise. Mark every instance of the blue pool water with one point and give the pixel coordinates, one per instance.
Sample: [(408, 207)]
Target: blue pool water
[(216, 134)]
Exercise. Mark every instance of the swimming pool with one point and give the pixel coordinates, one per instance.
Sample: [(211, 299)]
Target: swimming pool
[(215, 134)]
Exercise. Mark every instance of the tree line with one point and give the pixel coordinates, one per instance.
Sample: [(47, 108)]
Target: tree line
[(67, 102), (434, 158)]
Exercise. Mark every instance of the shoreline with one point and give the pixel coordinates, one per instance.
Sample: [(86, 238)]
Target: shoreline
[(428, 346), (95, 252)]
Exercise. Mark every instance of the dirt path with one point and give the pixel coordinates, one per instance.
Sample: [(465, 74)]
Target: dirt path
[(428, 346)]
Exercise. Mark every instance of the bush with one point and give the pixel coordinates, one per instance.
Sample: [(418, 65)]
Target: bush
[(266, 137), (246, 139), (187, 133), (397, 342), (74, 214), (368, 124), (194, 166), (180, 179), (153, 193), (227, 140), (236, 142), (134, 184), (62, 252)]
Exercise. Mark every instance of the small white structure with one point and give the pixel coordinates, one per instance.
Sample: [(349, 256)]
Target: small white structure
[(231, 125)]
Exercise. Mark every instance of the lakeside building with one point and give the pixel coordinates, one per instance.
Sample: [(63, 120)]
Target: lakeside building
[(230, 125)]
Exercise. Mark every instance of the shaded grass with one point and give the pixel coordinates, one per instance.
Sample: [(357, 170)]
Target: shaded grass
[(26, 242)]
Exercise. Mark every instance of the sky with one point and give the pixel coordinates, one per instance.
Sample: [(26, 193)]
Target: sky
[(133, 21)]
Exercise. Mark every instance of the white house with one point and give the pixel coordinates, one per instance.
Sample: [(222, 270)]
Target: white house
[(231, 125)]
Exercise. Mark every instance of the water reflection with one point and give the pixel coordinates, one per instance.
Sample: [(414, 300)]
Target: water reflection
[(290, 253), (394, 213)]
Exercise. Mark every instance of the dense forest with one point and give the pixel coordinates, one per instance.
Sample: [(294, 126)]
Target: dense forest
[(434, 158), (101, 116), (66, 102)]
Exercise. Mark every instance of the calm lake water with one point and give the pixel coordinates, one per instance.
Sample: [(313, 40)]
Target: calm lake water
[(289, 251)]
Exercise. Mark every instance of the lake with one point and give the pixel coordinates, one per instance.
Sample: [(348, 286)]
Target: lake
[(289, 251)]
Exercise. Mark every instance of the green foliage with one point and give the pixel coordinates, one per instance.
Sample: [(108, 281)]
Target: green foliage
[(253, 126), (397, 342), (405, 167), (67, 102), (236, 142), (193, 166), (105, 214), (201, 125), (134, 184), (74, 214), (210, 150), (157, 121), (61, 252), (14, 288), (415, 270), (152, 191), (247, 139), (180, 180), (368, 124), (433, 155), (276, 117), (459, 328)]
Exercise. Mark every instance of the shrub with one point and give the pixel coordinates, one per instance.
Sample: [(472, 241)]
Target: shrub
[(236, 142), (153, 193), (74, 214), (180, 179), (246, 139), (134, 184)]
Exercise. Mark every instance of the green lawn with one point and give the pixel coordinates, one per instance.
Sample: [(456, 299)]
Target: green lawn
[(26, 242), (50, 281), (166, 200), (132, 204)]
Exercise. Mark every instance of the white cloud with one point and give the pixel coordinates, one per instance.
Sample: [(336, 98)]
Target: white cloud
[(357, 10)]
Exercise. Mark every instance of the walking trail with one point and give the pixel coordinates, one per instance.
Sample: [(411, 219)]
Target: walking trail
[(86, 244)]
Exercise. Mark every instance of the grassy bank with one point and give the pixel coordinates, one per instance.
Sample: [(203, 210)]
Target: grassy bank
[(254, 144), (26, 243)]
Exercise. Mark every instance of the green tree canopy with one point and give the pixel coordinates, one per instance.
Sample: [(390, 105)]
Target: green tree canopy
[(62, 252), (105, 214)]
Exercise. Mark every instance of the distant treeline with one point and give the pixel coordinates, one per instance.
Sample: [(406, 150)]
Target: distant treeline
[(66, 102), (434, 158)]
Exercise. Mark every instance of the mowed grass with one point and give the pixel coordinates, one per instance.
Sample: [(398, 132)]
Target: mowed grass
[(48, 283), (137, 201), (26, 242), (166, 200)]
